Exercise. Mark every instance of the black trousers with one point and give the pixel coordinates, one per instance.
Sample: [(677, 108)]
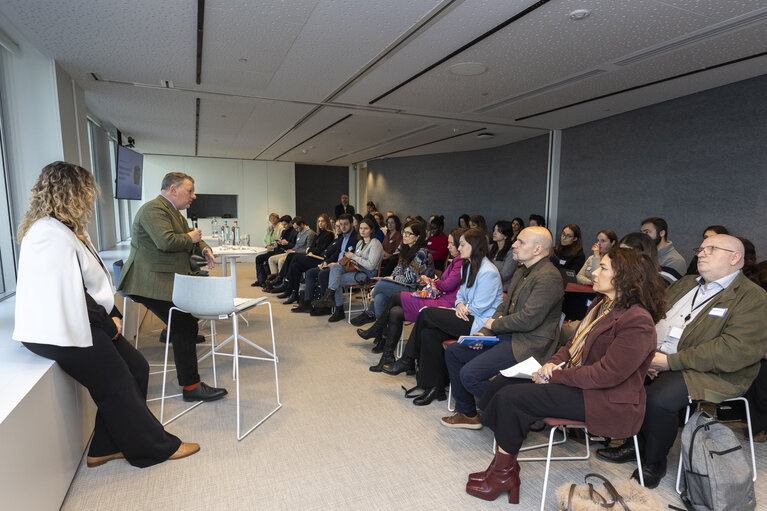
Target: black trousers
[(434, 326), (667, 394), (183, 336), (757, 400), (299, 264), (286, 264), (262, 268), (116, 376), (511, 405)]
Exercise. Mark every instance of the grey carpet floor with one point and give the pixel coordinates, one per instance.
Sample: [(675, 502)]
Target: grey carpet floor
[(345, 438)]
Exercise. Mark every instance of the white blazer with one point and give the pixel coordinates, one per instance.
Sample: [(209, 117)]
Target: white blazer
[(54, 265)]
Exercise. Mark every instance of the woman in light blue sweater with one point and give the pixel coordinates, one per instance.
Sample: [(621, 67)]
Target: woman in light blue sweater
[(479, 295)]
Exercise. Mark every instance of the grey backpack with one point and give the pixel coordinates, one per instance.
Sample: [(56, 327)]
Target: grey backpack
[(716, 471)]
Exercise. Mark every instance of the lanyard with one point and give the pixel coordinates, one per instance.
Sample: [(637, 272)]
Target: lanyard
[(704, 302)]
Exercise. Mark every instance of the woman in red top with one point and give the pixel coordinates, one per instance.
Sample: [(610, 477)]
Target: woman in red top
[(437, 242)]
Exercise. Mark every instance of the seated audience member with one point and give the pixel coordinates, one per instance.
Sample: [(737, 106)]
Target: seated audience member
[(606, 240), (657, 229), (380, 221), (709, 348), (500, 251), (414, 261), (287, 240), (273, 231), (437, 242), (316, 275), (479, 294), (478, 222), (344, 207), (405, 306), (516, 227), (371, 207), (304, 239), (708, 231), (391, 245), (377, 233), (536, 220), (525, 322), (389, 214), (357, 220), (463, 221), (642, 242), (568, 254), (600, 381), (321, 242), (65, 312), (355, 267)]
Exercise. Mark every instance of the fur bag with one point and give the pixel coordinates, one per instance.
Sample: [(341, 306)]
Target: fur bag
[(625, 496)]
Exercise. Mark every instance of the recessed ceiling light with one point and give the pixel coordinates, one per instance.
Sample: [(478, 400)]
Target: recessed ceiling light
[(467, 68), (579, 14), (485, 135)]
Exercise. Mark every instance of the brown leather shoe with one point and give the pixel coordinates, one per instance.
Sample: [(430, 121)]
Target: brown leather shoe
[(760, 437), (460, 420), (184, 450), (97, 461)]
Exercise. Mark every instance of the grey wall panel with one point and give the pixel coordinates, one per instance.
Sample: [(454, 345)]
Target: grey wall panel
[(499, 183), (319, 189), (695, 161)]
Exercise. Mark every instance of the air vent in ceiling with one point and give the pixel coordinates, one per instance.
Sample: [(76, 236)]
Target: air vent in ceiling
[(541, 90), (695, 38), (168, 84), (94, 77)]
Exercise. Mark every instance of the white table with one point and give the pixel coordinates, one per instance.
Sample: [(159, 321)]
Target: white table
[(230, 254)]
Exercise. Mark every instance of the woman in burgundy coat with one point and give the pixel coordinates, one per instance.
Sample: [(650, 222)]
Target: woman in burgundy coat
[(597, 377)]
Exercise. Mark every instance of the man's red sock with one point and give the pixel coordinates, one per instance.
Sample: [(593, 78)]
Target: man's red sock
[(191, 387)]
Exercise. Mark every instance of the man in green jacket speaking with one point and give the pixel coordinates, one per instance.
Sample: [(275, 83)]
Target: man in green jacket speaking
[(709, 348), (161, 244)]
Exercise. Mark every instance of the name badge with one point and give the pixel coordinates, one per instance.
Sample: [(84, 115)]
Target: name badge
[(428, 243), (562, 262), (719, 312)]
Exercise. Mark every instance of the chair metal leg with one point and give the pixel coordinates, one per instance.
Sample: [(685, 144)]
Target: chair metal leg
[(681, 453), (273, 358), (164, 378), (450, 404), (750, 433), (639, 460), (548, 466)]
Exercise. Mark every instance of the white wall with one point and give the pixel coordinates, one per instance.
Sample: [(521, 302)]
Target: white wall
[(31, 115), (261, 186)]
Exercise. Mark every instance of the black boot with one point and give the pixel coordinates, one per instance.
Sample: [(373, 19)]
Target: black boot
[(327, 301), (403, 365), (386, 358), (374, 331), (378, 344), (293, 298)]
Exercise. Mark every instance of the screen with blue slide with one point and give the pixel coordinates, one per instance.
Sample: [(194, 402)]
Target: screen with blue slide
[(129, 174)]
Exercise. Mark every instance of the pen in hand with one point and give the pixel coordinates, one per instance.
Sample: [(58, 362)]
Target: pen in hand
[(546, 378)]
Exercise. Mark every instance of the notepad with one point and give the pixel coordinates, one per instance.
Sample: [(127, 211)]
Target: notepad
[(524, 369)]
